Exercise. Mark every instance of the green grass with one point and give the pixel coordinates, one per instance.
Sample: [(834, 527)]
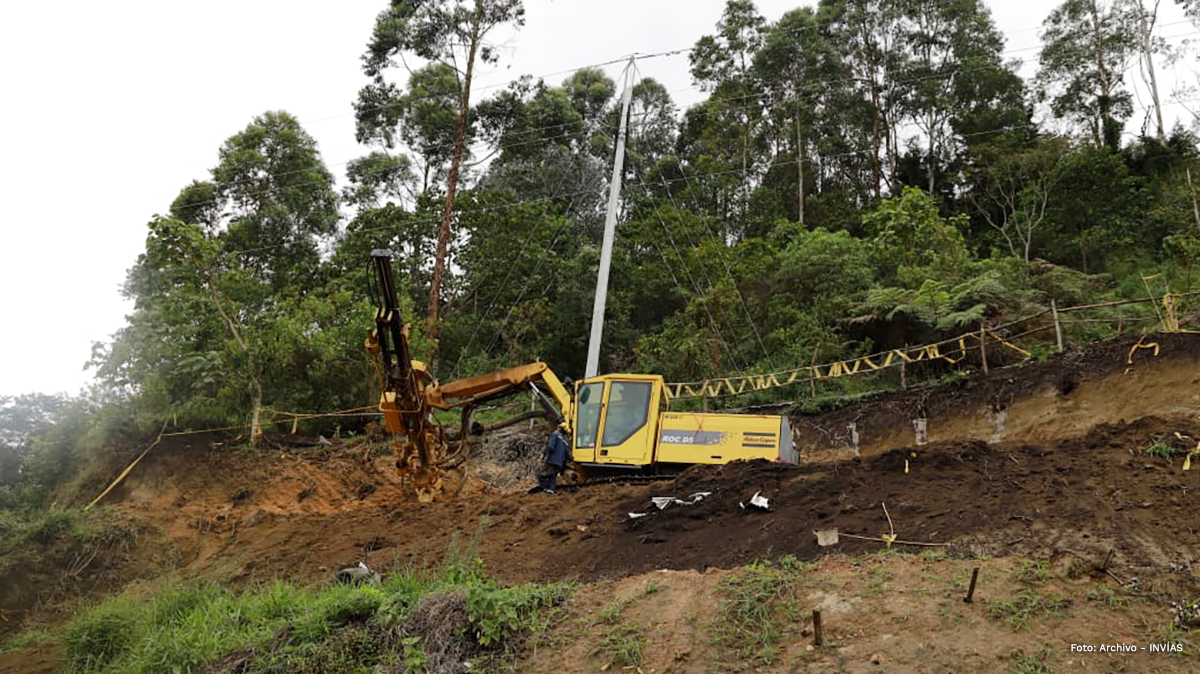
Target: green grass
[(613, 611), (1025, 663), (283, 628), (1027, 606), (1174, 634), (1031, 573), (42, 527), (27, 639), (1103, 594), (1159, 448), (757, 608), (622, 645)]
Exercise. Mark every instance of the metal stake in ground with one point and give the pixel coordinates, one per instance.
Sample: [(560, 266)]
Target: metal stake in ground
[(1057, 326), (971, 590)]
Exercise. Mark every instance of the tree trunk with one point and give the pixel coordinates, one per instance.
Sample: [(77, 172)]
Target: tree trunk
[(932, 145), (874, 111), (799, 173), (1192, 190), (257, 395), (875, 140), (1104, 101), (1148, 55), (439, 260)]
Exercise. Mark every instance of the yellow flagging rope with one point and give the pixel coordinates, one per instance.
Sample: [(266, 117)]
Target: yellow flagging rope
[(129, 468), (731, 386), (726, 386)]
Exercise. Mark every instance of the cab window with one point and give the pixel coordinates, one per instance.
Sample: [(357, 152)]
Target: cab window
[(628, 409), (588, 414)]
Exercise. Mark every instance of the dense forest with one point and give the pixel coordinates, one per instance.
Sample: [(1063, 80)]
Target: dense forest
[(863, 174)]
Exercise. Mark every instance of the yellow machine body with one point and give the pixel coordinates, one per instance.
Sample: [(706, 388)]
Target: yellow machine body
[(624, 420)]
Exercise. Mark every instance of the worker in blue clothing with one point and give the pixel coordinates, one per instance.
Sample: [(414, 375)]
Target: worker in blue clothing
[(554, 459)]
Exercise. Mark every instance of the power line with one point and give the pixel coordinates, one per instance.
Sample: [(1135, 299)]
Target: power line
[(699, 293), (503, 284), (725, 264)]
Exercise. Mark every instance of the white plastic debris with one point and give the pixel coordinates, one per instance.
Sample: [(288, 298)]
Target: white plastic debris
[(358, 574), (757, 502), (827, 537), (663, 501)]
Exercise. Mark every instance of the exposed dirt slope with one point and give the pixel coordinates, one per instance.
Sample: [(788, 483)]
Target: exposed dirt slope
[(1035, 402), (1085, 495), (232, 513), (880, 613)]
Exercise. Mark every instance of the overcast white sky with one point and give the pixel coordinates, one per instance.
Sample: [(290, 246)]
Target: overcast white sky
[(110, 108)]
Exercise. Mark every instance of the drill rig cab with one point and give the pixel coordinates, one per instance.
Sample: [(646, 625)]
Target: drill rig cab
[(625, 421)]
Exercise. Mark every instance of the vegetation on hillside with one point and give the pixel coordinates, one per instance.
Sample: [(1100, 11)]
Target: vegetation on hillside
[(447, 619)]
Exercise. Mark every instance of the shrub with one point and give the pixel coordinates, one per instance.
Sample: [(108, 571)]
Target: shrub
[(103, 634)]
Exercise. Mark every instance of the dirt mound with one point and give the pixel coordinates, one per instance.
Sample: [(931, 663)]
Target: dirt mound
[(508, 459), (64, 556), (880, 613), (1081, 496)]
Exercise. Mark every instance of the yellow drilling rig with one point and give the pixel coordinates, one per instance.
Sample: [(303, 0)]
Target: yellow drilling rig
[(615, 421)]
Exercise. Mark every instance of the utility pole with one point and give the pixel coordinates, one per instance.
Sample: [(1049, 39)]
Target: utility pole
[(610, 226)]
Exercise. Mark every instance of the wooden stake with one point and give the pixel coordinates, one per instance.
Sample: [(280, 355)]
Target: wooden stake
[(983, 345), (812, 371), (1107, 559), (818, 632), (971, 590), (903, 371), (1057, 325)]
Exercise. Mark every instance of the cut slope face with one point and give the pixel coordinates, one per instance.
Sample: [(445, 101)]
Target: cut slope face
[(1037, 402)]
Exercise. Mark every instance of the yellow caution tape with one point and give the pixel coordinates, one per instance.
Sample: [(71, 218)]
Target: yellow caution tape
[(888, 539), (906, 466), (727, 386), (1009, 344)]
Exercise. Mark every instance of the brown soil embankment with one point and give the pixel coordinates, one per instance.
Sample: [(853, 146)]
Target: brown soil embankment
[(1034, 402)]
